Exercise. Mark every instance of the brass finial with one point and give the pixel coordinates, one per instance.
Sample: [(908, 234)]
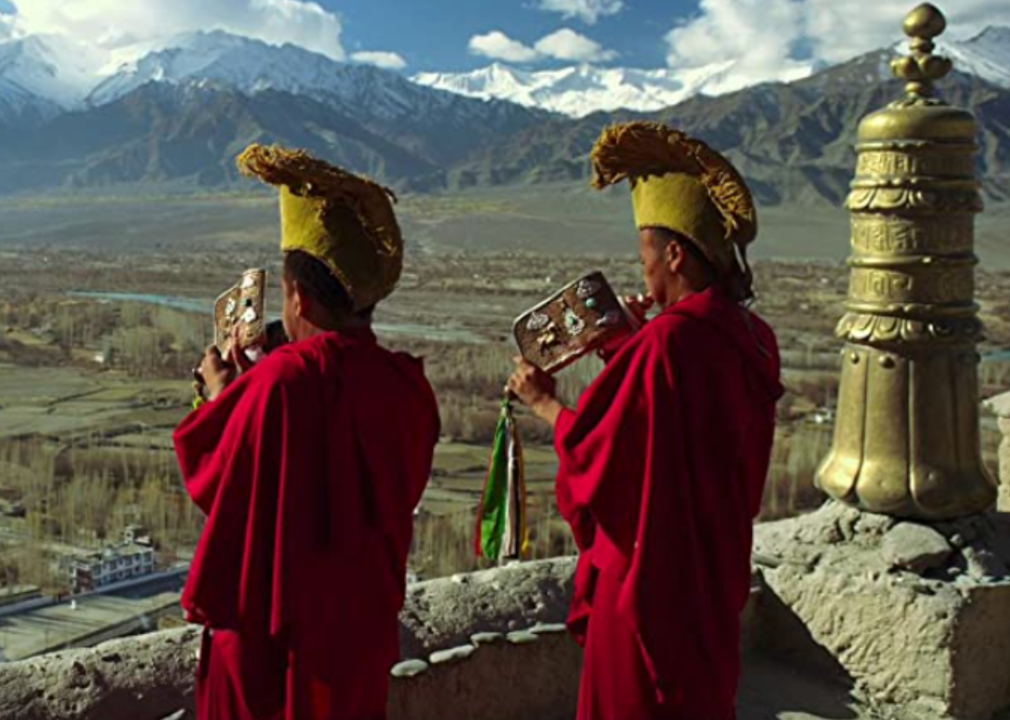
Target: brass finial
[(921, 68), (907, 440)]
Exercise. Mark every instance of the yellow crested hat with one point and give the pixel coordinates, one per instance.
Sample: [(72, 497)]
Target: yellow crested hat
[(344, 221), (681, 184)]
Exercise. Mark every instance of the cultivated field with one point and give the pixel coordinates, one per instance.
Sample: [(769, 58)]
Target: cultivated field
[(104, 307)]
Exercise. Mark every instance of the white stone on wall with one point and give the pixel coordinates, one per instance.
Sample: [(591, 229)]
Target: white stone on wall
[(1000, 405)]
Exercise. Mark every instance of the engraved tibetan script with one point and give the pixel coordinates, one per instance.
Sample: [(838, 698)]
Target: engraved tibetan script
[(873, 234), (949, 285), (903, 164)]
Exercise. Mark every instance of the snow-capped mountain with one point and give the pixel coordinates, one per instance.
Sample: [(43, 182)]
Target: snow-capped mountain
[(176, 115), (580, 91), (42, 75), (69, 75), (182, 111), (437, 125), (251, 66), (53, 67), (240, 63), (19, 105), (986, 55)]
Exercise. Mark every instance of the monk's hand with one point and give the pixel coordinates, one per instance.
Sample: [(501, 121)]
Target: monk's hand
[(531, 384), (215, 372), (236, 354), (536, 389), (639, 307)]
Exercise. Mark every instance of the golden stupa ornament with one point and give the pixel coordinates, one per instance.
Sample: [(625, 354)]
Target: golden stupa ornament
[(907, 431)]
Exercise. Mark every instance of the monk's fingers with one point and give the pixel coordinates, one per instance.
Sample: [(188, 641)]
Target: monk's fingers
[(531, 382), (236, 338), (518, 383), (213, 363), (642, 300), (234, 345), (241, 360), (211, 357)]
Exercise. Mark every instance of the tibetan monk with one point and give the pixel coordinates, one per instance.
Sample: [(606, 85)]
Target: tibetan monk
[(663, 462), (309, 466)]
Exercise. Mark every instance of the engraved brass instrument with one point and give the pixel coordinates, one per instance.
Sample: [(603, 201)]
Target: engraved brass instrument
[(242, 307), (906, 438), (580, 318)]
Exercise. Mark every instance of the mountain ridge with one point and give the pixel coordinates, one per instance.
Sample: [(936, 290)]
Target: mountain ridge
[(71, 74), (169, 121), (987, 55), (793, 142)]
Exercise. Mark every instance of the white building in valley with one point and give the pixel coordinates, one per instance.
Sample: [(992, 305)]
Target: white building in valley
[(92, 571)]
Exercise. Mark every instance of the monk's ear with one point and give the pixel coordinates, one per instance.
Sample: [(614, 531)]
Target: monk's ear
[(675, 256), (301, 302)]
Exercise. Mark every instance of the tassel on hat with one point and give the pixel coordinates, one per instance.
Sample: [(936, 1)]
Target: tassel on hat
[(344, 220), (681, 184)]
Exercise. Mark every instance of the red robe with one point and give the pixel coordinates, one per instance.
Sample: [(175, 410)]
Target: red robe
[(662, 470), (309, 468)]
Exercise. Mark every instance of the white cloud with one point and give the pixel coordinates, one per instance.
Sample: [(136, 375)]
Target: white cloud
[(565, 44), (499, 46), (839, 32), (8, 27), (754, 33), (386, 60), (116, 23), (760, 35), (569, 45), (589, 11)]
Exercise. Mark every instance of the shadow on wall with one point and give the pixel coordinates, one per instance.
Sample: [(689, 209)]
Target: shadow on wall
[(772, 687)]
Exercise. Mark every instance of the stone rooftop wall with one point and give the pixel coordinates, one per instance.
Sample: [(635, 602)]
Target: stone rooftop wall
[(490, 644), (487, 644)]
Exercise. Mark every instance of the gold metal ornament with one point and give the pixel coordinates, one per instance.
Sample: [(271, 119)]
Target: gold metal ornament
[(906, 437)]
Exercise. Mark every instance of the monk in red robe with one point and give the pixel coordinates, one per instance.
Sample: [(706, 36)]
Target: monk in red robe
[(663, 462), (309, 467)]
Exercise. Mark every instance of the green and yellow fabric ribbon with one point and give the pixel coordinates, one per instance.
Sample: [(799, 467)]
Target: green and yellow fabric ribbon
[(502, 530)]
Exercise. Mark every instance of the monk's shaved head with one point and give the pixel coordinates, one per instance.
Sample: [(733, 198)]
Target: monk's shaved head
[(315, 280)]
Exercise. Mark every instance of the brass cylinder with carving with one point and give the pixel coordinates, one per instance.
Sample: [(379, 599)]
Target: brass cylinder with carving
[(906, 439)]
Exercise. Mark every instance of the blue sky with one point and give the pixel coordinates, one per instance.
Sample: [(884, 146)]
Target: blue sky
[(437, 38), (759, 39)]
